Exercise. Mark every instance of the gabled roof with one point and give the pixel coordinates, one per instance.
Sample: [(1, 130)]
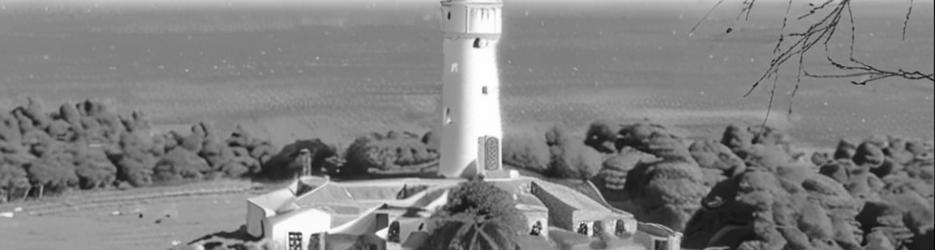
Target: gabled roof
[(528, 202), (577, 200), (363, 224), (273, 200), (299, 212), (345, 196)]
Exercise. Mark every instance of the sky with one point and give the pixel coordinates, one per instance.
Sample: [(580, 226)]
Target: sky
[(703, 4), (353, 2)]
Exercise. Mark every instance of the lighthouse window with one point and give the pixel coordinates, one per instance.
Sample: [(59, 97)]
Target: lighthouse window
[(449, 15), (479, 43), (483, 90), (661, 245), (447, 115)]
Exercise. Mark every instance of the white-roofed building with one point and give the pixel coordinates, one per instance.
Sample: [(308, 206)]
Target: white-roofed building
[(294, 228)]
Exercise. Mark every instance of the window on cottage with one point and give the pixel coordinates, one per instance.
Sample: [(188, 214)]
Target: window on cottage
[(536, 229), (661, 245), (597, 228), (583, 228), (620, 228), (295, 241), (315, 242), (392, 234)]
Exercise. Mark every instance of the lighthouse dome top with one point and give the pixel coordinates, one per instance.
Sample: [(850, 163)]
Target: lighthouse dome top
[(472, 18), (474, 1)]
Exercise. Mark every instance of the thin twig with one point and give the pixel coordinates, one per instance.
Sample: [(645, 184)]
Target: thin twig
[(906, 20), (782, 29), (769, 106), (745, 8), (815, 9), (705, 17), (798, 81)]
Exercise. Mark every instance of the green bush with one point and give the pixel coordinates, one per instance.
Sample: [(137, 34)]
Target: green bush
[(477, 214), (390, 152), (88, 146), (285, 164), (555, 153)]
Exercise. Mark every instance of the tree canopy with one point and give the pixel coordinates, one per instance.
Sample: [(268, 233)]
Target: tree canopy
[(478, 215)]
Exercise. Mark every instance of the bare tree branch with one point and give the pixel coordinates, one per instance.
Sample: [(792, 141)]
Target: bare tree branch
[(824, 20), (745, 9), (815, 9), (705, 17), (772, 93)]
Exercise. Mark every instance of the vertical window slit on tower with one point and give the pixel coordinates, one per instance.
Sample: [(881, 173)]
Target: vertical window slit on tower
[(477, 43), (447, 115), (483, 90), (449, 15)]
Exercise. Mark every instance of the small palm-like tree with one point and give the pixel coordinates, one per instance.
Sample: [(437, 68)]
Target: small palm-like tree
[(479, 216), (478, 233)]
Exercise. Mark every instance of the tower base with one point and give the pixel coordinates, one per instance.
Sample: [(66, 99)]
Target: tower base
[(501, 174)]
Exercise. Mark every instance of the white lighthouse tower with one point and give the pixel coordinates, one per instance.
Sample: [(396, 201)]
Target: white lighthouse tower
[(471, 127)]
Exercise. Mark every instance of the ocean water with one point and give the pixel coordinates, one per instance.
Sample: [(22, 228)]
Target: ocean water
[(559, 64)]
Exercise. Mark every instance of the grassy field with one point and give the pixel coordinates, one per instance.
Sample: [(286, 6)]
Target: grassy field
[(335, 73), (144, 218)]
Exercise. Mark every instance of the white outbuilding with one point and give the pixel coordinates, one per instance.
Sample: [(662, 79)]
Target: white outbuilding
[(296, 227), (264, 206)]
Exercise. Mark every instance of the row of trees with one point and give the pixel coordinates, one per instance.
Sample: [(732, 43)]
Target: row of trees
[(750, 183), (554, 153), (88, 146), (750, 189)]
